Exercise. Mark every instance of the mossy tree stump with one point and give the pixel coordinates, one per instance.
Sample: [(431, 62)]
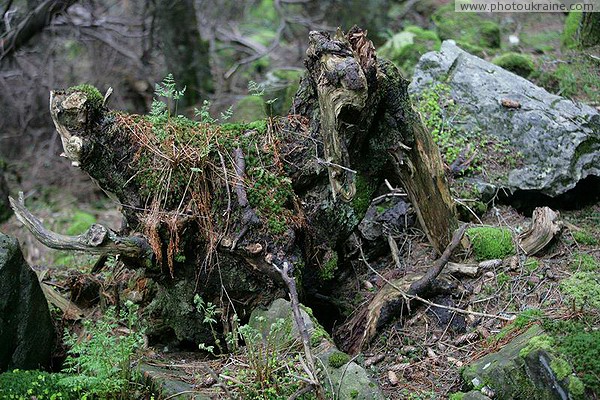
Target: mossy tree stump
[(221, 205)]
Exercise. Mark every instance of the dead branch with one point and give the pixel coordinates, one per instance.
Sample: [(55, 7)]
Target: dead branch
[(96, 240), (284, 271), (544, 226), (423, 284), (249, 217)]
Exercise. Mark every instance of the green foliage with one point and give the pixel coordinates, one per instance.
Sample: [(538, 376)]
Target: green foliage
[(522, 320), (338, 359), (575, 77), (456, 396), (561, 368), (405, 48), (272, 366), (40, 385), (583, 289), (99, 363), (95, 98), (466, 28), (364, 193), (541, 342), (502, 278), (490, 243), (585, 238), (569, 35), (583, 350), (520, 64), (209, 312), (584, 262), (327, 271)]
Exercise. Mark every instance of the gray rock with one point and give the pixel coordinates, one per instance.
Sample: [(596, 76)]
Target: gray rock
[(26, 331), (513, 374), (559, 139)]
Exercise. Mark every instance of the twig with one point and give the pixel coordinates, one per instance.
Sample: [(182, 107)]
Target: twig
[(284, 271), (249, 217)]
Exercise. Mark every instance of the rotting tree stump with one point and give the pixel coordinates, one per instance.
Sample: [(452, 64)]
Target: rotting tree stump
[(221, 205)]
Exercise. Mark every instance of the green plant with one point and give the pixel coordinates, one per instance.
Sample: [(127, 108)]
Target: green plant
[(583, 350), (94, 96), (569, 35), (209, 312), (541, 342), (456, 396), (40, 385), (584, 262), (490, 243), (532, 264), (583, 237), (576, 386), (583, 289), (338, 359), (99, 362), (502, 278)]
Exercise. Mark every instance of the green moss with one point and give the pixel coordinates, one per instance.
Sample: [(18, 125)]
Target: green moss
[(522, 320), (582, 289), (456, 396), (490, 243), (327, 271), (406, 48), (338, 359), (569, 35), (576, 386), (520, 64), (249, 108), (541, 42), (561, 368), (585, 238), (363, 196), (354, 393), (94, 96), (584, 262), (468, 28), (542, 342), (575, 77)]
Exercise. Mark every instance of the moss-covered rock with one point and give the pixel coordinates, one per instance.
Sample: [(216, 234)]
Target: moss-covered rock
[(466, 28), (520, 64), (249, 108), (405, 48), (490, 243)]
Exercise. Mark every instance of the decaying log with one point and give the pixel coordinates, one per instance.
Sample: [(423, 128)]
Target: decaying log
[(470, 270), (96, 240), (302, 184), (544, 226)]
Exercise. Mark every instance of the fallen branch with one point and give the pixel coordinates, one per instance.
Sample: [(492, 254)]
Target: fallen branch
[(295, 303), (96, 240), (544, 226)]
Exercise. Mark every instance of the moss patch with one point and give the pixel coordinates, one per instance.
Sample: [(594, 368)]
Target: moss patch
[(520, 64), (338, 359), (490, 243), (584, 262), (583, 237), (466, 28), (569, 35), (94, 96), (583, 289)]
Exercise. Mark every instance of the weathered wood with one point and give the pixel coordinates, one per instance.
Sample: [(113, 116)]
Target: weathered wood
[(96, 240), (544, 226)]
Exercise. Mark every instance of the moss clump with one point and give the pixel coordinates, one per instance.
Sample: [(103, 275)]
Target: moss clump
[(405, 48), (583, 350), (456, 396), (576, 387), (249, 108), (583, 237), (338, 359), (541, 342), (81, 221), (561, 368), (466, 28), (490, 243), (569, 35), (94, 96), (520, 64), (584, 262), (583, 289), (327, 271), (362, 198)]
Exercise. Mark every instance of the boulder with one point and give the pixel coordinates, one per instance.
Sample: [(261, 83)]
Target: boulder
[(523, 369), (559, 139), (27, 334)]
